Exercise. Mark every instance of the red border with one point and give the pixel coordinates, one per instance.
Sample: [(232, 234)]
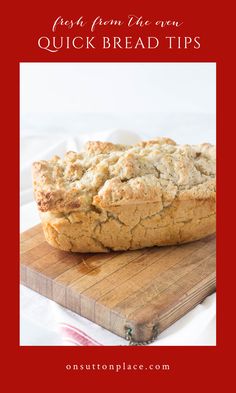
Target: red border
[(43, 367)]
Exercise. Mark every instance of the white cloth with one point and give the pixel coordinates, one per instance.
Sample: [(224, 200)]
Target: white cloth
[(42, 321)]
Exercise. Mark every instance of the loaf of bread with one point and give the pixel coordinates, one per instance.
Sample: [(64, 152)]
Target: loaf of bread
[(119, 197)]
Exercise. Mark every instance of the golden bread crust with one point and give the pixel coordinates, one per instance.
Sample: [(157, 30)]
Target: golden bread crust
[(119, 197)]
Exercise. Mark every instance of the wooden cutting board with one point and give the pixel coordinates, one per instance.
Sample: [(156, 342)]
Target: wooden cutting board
[(135, 294)]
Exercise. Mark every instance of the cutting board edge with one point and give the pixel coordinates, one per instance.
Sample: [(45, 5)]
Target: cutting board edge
[(156, 328), (146, 330)]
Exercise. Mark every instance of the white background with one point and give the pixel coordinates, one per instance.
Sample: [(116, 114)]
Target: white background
[(118, 87), (177, 99), (62, 105)]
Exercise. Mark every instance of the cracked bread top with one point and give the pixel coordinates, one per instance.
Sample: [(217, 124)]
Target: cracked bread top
[(107, 174)]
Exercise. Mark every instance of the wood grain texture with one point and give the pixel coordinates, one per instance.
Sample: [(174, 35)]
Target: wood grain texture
[(139, 290)]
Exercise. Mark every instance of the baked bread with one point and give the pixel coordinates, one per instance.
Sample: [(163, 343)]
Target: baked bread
[(118, 197)]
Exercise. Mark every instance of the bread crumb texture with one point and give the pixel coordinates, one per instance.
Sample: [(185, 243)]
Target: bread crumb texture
[(119, 197)]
